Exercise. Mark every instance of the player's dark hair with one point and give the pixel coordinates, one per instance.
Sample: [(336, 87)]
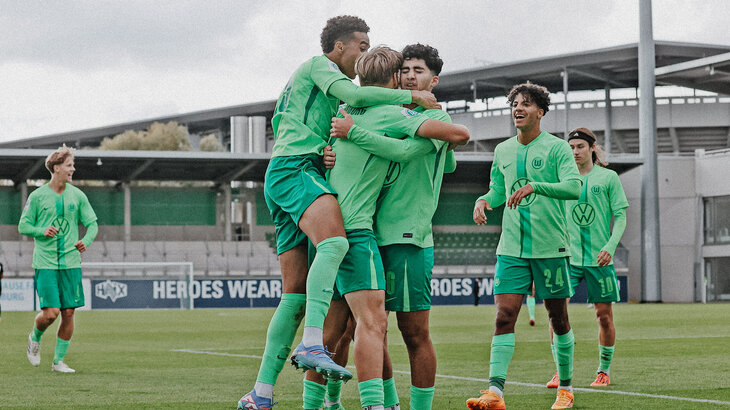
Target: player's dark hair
[(533, 92), (340, 28), (426, 53)]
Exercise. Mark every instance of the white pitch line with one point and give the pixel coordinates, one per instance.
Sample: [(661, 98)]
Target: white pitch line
[(475, 379)]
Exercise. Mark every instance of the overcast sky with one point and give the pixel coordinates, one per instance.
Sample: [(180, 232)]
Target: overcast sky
[(71, 65)]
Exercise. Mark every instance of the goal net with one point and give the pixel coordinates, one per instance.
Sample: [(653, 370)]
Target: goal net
[(141, 285)]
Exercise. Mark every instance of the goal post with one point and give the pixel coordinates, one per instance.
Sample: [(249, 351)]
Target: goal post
[(141, 270)]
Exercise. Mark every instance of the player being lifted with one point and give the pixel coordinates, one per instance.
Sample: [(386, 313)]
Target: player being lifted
[(51, 217), (534, 172), (303, 205), (592, 244), (358, 178)]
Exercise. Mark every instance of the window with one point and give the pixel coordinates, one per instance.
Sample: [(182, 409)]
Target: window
[(717, 279), (717, 220)]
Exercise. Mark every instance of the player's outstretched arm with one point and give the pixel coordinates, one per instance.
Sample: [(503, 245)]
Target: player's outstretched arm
[(355, 96), (389, 148), (451, 133)]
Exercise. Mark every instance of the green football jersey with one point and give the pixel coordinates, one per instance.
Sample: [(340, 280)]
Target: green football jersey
[(589, 218), (45, 208), (410, 195), (359, 175), (305, 108), (537, 227)]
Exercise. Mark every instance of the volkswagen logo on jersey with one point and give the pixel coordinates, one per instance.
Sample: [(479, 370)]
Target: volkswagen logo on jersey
[(519, 184), (62, 225), (583, 214)]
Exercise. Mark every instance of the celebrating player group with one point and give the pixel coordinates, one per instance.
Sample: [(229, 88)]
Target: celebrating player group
[(352, 187)]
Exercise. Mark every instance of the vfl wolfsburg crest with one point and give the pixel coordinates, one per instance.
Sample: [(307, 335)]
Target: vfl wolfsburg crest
[(538, 163), (62, 225), (583, 214), (596, 189), (519, 184)]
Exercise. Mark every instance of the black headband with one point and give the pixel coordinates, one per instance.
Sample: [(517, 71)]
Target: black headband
[(582, 135)]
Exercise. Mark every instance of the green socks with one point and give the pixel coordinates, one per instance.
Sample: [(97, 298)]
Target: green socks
[(531, 307), (321, 279), (280, 336), (503, 347), (61, 349), (606, 357), (313, 395), (390, 393), (36, 335), (421, 398), (564, 347), (334, 387), (371, 392)]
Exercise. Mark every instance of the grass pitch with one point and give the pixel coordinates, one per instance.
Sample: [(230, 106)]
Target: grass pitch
[(667, 356)]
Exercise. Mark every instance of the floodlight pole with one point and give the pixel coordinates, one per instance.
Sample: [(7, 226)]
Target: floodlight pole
[(651, 289)]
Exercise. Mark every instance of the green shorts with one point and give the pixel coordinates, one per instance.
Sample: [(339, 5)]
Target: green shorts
[(516, 275), (362, 268), (291, 184), (59, 288), (601, 282), (408, 270)]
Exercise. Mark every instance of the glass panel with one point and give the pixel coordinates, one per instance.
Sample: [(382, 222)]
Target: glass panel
[(717, 279)]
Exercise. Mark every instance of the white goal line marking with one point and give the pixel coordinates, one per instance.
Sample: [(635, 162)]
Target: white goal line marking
[(475, 379)]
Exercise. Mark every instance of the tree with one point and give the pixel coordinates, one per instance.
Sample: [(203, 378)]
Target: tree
[(158, 137), (211, 143)]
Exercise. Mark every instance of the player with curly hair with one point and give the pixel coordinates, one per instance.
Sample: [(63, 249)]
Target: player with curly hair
[(534, 174)]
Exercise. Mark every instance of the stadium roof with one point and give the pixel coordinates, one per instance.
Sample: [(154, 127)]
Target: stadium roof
[(592, 70), (707, 67), (22, 164)]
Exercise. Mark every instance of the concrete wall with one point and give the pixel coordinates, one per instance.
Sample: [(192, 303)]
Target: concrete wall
[(677, 228)]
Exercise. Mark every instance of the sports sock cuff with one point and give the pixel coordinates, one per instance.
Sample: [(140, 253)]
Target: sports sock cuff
[(294, 297), (313, 395), (504, 340), (371, 392), (390, 394), (564, 340), (422, 397), (336, 244)]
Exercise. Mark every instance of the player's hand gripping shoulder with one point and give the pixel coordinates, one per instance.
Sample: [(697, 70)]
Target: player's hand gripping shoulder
[(329, 157), (604, 258), (480, 217), (517, 196), (341, 126), (50, 232), (425, 99)]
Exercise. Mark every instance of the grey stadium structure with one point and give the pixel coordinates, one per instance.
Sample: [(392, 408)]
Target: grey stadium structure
[(207, 208)]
